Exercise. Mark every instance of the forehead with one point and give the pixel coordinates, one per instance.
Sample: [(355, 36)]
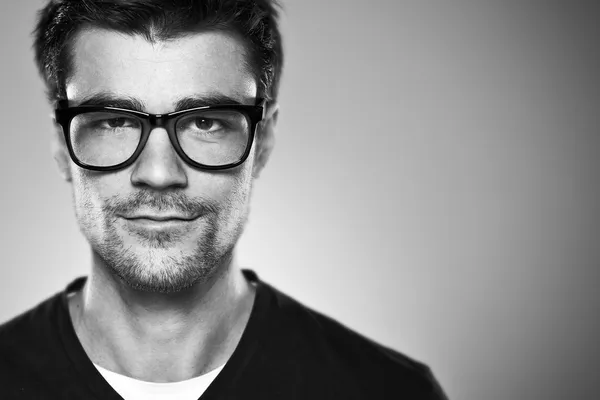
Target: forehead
[(160, 73)]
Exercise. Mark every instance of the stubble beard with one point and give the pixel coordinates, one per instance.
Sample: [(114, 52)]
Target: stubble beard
[(156, 264)]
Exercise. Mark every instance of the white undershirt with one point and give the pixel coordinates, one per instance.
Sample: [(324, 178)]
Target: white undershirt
[(133, 389)]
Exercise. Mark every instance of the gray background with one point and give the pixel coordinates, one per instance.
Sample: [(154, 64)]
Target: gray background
[(434, 185)]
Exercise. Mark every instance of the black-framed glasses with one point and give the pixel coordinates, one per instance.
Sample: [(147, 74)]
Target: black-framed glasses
[(109, 138)]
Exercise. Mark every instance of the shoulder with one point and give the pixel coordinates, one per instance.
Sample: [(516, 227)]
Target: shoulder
[(24, 352), (28, 326), (376, 370), (31, 345), (24, 334), (39, 324)]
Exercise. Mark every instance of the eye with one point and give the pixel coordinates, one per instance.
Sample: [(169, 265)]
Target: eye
[(209, 123), (119, 122), (206, 124)]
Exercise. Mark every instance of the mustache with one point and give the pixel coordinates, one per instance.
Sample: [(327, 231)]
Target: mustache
[(160, 202)]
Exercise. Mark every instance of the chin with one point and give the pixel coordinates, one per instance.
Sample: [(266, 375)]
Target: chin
[(162, 271), (159, 263), (166, 260)]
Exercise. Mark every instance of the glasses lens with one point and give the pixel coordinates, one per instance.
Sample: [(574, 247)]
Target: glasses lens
[(104, 139), (213, 137)]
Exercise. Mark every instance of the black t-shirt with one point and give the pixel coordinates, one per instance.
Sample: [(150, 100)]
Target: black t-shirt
[(287, 352)]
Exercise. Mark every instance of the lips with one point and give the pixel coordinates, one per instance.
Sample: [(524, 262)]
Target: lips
[(148, 215), (148, 226), (159, 222), (161, 218)]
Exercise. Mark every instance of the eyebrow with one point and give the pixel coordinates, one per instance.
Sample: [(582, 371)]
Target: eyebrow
[(202, 101), (106, 99)]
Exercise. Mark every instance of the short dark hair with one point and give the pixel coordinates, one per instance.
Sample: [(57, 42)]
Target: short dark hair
[(254, 21)]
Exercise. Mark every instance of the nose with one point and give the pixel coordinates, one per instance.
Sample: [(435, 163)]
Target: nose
[(159, 166)]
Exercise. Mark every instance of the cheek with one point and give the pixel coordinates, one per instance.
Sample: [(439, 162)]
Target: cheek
[(90, 191), (228, 191), (243, 182), (82, 190), (85, 200), (228, 188)]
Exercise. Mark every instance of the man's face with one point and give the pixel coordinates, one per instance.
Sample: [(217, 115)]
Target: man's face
[(205, 210)]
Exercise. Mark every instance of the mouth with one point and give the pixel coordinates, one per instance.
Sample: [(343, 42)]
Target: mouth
[(159, 223), (160, 218)]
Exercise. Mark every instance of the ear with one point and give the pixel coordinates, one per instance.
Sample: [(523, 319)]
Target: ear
[(60, 152), (266, 139)]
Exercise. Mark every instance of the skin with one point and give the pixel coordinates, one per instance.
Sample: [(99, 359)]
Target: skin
[(162, 310)]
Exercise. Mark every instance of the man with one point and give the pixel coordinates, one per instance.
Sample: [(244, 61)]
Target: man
[(165, 114)]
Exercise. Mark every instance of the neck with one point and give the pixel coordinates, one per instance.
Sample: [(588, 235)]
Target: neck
[(160, 337)]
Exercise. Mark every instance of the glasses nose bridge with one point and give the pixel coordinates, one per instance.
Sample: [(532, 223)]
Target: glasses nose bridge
[(158, 121)]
